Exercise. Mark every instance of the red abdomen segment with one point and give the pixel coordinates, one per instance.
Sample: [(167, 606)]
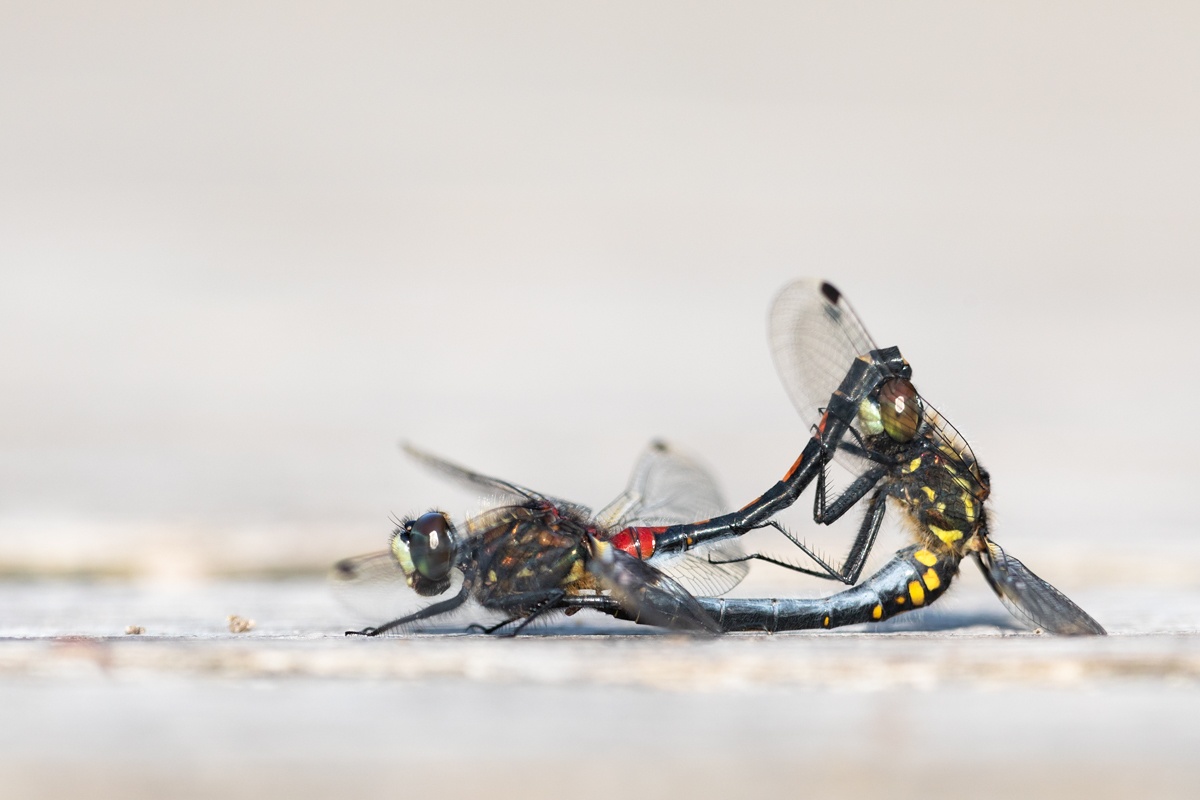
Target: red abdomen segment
[(637, 542)]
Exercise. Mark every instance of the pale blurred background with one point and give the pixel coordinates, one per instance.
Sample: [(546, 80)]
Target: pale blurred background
[(246, 249)]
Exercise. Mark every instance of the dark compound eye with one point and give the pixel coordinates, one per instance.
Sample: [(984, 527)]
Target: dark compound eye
[(900, 409), (431, 544)]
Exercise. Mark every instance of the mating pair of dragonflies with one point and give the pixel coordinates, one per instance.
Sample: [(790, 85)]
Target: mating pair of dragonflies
[(663, 552)]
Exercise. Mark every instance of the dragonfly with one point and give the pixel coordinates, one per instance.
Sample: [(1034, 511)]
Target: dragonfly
[(867, 416), (531, 554)]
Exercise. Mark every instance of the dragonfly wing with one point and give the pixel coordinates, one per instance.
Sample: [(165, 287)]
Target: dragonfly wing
[(499, 489), (1032, 599), (469, 478), (622, 506), (373, 586), (646, 594), (707, 571), (669, 488), (815, 338)]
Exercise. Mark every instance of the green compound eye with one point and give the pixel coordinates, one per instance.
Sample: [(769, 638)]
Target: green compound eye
[(900, 409), (432, 546), (868, 417)]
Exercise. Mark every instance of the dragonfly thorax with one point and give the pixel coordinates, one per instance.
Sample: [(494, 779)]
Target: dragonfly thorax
[(531, 551), (944, 499)]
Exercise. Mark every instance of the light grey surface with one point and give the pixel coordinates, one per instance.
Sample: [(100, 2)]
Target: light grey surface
[(78, 631), (308, 739), (957, 701)]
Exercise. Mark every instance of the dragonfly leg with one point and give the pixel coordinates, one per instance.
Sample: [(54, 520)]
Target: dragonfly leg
[(424, 613), (826, 511), (490, 629), (645, 541), (771, 560), (851, 568), (543, 601), (863, 452)]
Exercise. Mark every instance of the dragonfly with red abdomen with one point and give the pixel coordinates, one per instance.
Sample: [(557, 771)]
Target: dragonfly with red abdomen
[(530, 554)]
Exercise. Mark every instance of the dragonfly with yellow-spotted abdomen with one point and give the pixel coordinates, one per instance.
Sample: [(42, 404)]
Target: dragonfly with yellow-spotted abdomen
[(868, 417)]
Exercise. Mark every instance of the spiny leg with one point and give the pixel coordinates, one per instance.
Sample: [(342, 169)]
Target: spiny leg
[(424, 613), (851, 568), (826, 511), (544, 601), (776, 561)]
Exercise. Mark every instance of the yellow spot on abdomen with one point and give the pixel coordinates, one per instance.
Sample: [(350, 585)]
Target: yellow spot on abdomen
[(826, 622), (932, 581), (925, 557), (947, 536), (968, 506), (877, 612), (916, 592), (912, 465), (928, 493), (900, 600)]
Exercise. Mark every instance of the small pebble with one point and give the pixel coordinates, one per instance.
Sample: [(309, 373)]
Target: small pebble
[(134, 630), (239, 625)]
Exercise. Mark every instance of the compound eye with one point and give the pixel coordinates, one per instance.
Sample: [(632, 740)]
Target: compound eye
[(431, 544), (900, 409)]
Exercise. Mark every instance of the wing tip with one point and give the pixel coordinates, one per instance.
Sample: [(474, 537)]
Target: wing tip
[(830, 293)]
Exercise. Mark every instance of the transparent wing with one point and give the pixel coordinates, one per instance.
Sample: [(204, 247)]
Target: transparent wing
[(669, 488), (646, 594), (500, 490), (373, 587), (666, 488), (815, 338), (468, 478), (1031, 599), (701, 576), (952, 444)]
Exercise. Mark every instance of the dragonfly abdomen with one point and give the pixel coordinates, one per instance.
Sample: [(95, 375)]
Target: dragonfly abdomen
[(915, 577)]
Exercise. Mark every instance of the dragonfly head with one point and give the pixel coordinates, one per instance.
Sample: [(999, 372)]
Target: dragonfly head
[(426, 549), (893, 408)]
